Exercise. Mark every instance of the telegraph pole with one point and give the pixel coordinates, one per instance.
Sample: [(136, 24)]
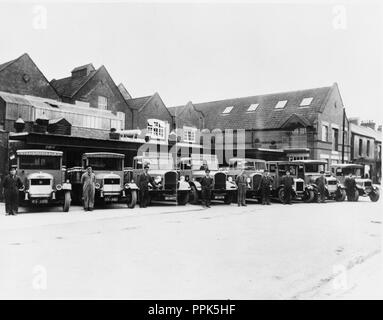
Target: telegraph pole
[(343, 132)]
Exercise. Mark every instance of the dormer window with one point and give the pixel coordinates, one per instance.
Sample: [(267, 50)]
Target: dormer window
[(253, 107), (102, 103), (306, 102), (189, 134), (227, 110), (281, 104)]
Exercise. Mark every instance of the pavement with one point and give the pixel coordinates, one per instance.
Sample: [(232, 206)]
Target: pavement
[(302, 251)]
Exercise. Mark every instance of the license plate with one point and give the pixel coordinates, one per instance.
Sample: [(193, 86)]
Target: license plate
[(219, 197), (111, 199), (42, 201), (170, 198)]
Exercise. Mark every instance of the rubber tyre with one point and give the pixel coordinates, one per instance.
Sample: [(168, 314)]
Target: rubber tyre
[(194, 199), (132, 200), (374, 196), (67, 201), (281, 194), (340, 195), (182, 197), (228, 198), (310, 196)]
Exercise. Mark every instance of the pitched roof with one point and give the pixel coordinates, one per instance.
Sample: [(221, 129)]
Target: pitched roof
[(138, 103), (69, 86), (366, 131), (125, 93), (265, 116), (6, 64)]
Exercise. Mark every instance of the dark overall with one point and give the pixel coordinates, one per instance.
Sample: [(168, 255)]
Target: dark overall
[(266, 185), (11, 185), (207, 186), (288, 182), (350, 186), (143, 180), (242, 186), (321, 184)]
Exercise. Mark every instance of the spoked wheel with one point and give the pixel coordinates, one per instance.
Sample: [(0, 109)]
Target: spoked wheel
[(281, 194), (340, 195), (309, 196), (131, 199), (182, 197), (374, 196), (67, 200), (228, 198), (194, 197)]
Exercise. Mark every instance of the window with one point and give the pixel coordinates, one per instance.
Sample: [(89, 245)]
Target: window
[(227, 110), (189, 134), (253, 107), (102, 103), (368, 148), (156, 129), (360, 147), (40, 162), (335, 139), (324, 133), (281, 104), (306, 102)]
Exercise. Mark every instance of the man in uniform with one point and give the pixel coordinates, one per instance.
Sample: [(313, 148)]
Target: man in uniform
[(143, 180), (88, 180), (242, 186), (321, 184), (11, 185), (266, 185), (288, 182), (206, 185), (350, 185)]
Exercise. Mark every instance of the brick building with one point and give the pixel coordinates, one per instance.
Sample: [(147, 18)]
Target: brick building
[(294, 125), (366, 147), (22, 76), (94, 88)]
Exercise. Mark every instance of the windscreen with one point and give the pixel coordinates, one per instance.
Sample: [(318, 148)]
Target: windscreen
[(198, 164), (39, 162), (105, 164), (315, 167)]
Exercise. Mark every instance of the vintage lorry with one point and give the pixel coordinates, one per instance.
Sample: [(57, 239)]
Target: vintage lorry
[(254, 169), (309, 171), (110, 184), (168, 184), (44, 178), (278, 169), (193, 170), (364, 186)]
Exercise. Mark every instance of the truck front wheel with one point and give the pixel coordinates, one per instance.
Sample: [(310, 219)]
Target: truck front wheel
[(132, 199), (67, 200), (194, 199), (374, 196), (340, 195), (309, 196), (182, 197)]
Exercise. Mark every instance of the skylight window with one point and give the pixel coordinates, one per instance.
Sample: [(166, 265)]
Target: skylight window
[(253, 107), (281, 104), (227, 110), (306, 102)]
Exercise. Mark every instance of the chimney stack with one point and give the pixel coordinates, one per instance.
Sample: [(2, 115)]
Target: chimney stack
[(354, 120), (369, 124)]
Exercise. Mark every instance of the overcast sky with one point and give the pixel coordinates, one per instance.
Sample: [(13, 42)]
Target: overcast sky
[(204, 52)]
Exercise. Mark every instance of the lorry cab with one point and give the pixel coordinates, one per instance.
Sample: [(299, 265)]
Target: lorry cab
[(110, 186), (278, 169), (42, 174), (364, 185)]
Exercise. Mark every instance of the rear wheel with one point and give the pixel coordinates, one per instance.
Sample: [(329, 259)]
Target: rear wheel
[(182, 197), (309, 196), (67, 200), (228, 198), (132, 199), (281, 194), (340, 195), (194, 198), (374, 196)]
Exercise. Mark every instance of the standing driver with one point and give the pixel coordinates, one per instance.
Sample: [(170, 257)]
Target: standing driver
[(242, 186), (266, 186), (350, 185), (321, 184), (288, 182), (11, 185), (207, 186), (88, 180), (143, 180)]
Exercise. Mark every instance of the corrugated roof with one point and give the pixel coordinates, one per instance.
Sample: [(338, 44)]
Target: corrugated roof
[(266, 116)]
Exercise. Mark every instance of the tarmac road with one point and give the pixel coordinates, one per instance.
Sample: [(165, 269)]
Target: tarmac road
[(301, 251)]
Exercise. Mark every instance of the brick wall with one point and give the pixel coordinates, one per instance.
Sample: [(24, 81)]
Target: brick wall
[(23, 77)]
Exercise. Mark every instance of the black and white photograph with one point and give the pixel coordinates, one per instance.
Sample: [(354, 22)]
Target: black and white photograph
[(179, 150)]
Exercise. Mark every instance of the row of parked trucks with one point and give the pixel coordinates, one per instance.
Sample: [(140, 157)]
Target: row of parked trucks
[(47, 181)]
